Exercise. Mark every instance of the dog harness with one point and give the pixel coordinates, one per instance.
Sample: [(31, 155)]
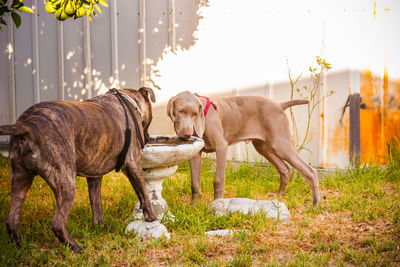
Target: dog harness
[(123, 100), (208, 104)]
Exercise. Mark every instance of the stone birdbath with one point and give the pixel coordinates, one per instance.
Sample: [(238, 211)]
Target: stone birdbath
[(160, 159)]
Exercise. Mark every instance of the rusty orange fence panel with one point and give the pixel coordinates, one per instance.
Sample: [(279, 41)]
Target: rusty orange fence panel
[(379, 115)]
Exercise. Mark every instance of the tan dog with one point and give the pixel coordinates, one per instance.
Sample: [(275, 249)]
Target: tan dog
[(239, 118), (59, 140)]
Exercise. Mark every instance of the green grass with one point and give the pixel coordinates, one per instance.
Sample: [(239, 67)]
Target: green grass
[(358, 222)]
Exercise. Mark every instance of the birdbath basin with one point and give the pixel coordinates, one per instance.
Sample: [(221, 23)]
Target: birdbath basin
[(160, 159)]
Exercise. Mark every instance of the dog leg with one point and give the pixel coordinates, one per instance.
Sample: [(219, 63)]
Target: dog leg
[(94, 187), (310, 174), (136, 178), (289, 154), (195, 171), (64, 188), (283, 169), (21, 181), (219, 182)]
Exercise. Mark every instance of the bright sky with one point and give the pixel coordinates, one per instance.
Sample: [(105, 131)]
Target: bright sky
[(244, 43)]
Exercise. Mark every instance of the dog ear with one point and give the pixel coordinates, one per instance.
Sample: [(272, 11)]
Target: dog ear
[(200, 122), (170, 108), (146, 91)]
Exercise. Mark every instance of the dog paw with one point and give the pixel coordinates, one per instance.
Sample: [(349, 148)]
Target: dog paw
[(196, 197), (150, 217), (17, 243), (103, 226), (76, 248), (316, 204), (106, 228)]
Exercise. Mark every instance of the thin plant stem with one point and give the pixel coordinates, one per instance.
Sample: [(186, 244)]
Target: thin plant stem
[(310, 95)]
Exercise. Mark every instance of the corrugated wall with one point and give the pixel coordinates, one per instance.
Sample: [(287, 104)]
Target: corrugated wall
[(74, 60)]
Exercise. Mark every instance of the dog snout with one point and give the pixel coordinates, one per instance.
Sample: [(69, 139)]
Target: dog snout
[(187, 133)]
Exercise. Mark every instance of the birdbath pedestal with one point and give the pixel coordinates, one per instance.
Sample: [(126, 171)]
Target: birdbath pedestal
[(160, 159)]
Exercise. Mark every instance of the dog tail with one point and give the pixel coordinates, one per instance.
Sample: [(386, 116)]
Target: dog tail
[(14, 129), (295, 102)]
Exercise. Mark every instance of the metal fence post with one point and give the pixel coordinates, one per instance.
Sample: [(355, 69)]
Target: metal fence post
[(142, 38), (355, 142)]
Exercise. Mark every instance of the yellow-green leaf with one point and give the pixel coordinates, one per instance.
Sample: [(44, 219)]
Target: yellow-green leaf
[(26, 9), (103, 3), (98, 9)]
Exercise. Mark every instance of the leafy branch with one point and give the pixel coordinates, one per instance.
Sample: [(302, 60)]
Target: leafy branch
[(63, 9), (12, 8), (311, 94)]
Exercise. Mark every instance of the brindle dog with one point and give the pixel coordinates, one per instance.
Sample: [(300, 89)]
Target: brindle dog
[(59, 140)]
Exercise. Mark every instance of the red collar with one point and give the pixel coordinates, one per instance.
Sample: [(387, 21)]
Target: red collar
[(209, 103)]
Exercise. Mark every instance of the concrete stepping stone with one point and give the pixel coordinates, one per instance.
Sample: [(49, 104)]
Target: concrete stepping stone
[(147, 230), (272, 208)]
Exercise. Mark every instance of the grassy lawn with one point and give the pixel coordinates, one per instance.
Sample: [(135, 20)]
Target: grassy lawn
[(358, 222)]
